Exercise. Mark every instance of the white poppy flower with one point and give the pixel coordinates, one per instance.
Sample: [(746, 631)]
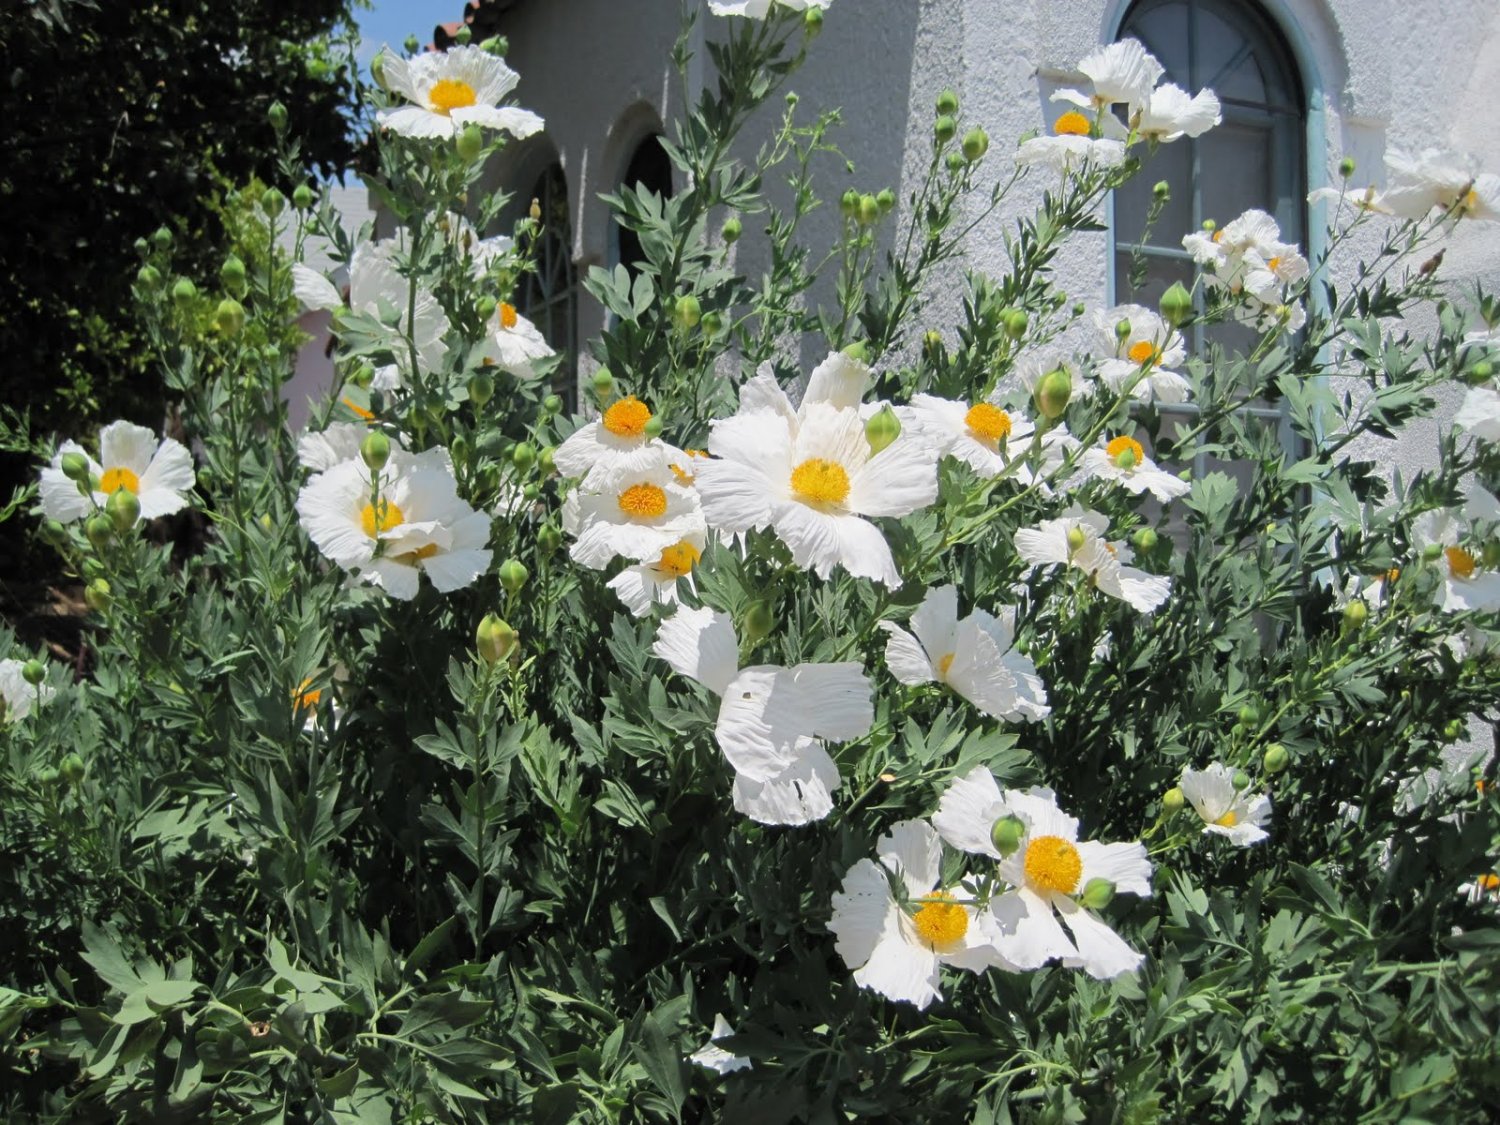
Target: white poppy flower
[(1225, 810), (1466, 583), (640, 517), (1076, 539), (810, 476), (770, 718), (1446, 181), (1123, 461), (158, 473), (654, 583), (1071, 146), (1480, 413), (1143, 357), (715, 1057), (1123, 71), (895, 950), (1369, 199), (1049, 872), (1481, 889), (1254, 234), (759, 9), (451, 89), (514, 343), (616, 446), (19, 697), (1169, 114), (421, 525), (973, 656), (991, 441), (320, 450)]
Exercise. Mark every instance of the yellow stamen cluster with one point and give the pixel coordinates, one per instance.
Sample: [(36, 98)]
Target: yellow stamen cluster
[(1053, 864), (1461, 564), (941, 922), (388, 517), (627, 418), (115, 479), (1489, 882), (306, 697), (643, 501), (508, 315), (944, 664), (1143, 352), (1121, 445), (1228, 820), (817, 481), (1273, 264), (988, 423), (1072, 124), (678, 560), (448, 94)]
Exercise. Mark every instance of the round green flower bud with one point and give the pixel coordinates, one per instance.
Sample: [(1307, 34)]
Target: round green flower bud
[(882, 428), (552, 404), (603, 382), (100, 531), (812, 22), (495, 640), (184, 292), (161, 238), (486, 306), (1240, 781), (531, 491), (1006, 834), (1432, 552), (1161, 190), (1209, 225), (1053, 390), (230, 317), (481, 388), (276, 115), (272, 202), (469, 142), (712, 324), (54, 532), (732, 229), (653, 426), (1490, 556), (523, 456), (1144, 540), (1249, 715), (548, 539), (142, 247), (1276, 758), (1176, 305), (1097, 894), (849, 204), (1481, 372), (302, 197), (687, 312), (546, 460), (363, 375), (75, 466), (513, 575), (869, 210), (947, 103), (886, 200), (232, 275), (123, 509), (72, 769), (1346, 167), (1355, 613), (375, 450), (1076, 539), (1122, 330), (976, 144), (148, 276), (464, 35), (945, 128), (410, 45), (497, 45), (377, 70), (47, 776), (760, 619), (1173, 799), (1455, 729), (1016, 322), (955, 161), (857, 350), (33, 672)]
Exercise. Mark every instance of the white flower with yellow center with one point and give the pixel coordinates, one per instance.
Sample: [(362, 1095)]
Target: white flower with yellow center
[(1445, 181), (158, 473), (1467, 583), (1122, 460), (1052, 875), (514, 344), (638, 518), (1482, 889), (1070, 146), (616, 446), (1170, 113), (810, 475), (418, 524), (654, 582), (759, 9), (990, 440), (771, 719), (1367, 199), (1224, 250), (896, 948), (451, 89), (1225, 810), (17, 696), (1076, 539), (1121, 72), (320, 450), (973, 657), (715, 1057), (1142, 357)]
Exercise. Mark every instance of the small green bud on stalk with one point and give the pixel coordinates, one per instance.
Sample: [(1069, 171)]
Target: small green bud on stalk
[(604, 383), (1122, 330), (1145, 540), (142, 247), (410, 45), (161, 238), (123, 509), (1346, 167), (497, 45), (513, 575), (272, 202), (184, 292), (1481, 372), (523, 456), (232, 275), (1162, 191), (760, 620), (148, 276), (812, 22), (886, 200), (33, 672), (869, 210), (230, 317), (1276, 758), (1172, 800), (955, 161), (732, 230), (713, 324), (531, 491), (1432, 552), (1075, 539), (1209, 226), (495, 640), (945, 128), (1006, 834), (377, 70), (548, 539), (71, 769), (858, 351), (947, 103), (546, 460), (276, 115), (1097, 894), (469, 143), (481, 388), (552, 404), (1249, 715), (653, 426), (486, 306), (1355, 614), (1455, 729), (75, 466), (100, 531), (54, 532), (687, 312), (1240, 781), (375, 450), (1490, 556), (849, 204), (1176, 305), (1053, 390), (976, 143), (302, 197), (363, 375), (47, 776), (463, 36), (882, 429), (1016, 322)]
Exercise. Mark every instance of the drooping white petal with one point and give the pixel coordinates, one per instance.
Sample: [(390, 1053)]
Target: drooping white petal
[(914, 851), (1029, 932), (800, 794), (1124, 865), (1102, 953), (905, 657), (700, 644), (968, 810), (716, 1058)]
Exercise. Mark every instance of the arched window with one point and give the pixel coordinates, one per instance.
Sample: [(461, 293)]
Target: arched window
[(549, 296), (1256, 158), (649, 169)]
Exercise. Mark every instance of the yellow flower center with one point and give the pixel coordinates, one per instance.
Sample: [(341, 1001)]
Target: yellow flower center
[(684, 477), (1393, 574), (1228, 820), (941, 922), (1053, 864), (627, 418), (678, 560), (1072, 124), (1489, 882), (1469, 202), (944, 664), (306, 697), (1118, 449), (1461, 563), (114, 479), (643, 501), (508, 315), (388, 517), (1143, 352), (411, 558), (1218, 236), (817, 481), (448, 94), (1273, 264), (987, 423)]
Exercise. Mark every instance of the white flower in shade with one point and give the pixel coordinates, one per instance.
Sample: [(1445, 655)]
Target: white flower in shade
[(770, 718), (319, 450), (1050, 872), (1268, 279), (810, 475), (1071, 146), (973, 657), (1466, 584), (1367, 199), (1440, 180), (1142, 357), (451, 89), (1170, 113), (1225, 810), (639, 518), (514, 344), (19, 697), (1076, 539), (1480, 413), (419, 525), (616, 446), (1120, 72), (991, 441), (715, 1057), (1123, 461), (654, 583), (158, 473), (464, 239), (896, 949), (1482, 889), (759, 9)]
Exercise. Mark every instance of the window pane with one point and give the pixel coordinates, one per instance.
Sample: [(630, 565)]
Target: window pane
[(1225, 59), (1159, 275), (1235, 170), (1174, 164), (1162, 30)]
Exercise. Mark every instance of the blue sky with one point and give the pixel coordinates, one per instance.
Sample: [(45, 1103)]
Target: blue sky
[(391, 21)]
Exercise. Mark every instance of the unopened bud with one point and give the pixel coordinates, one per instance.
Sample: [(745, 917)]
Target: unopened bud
[(464, 35), (1346, 167), (812, 22), (513, 575), (148, 276), (552, 404), (54, 532), (71, 769), (1176, 305), (882, 428), (1016, 322), (272, 202), (1355, 613), (849, 204), (1276, 758), (932, 344), (495, 640), (232, 275), (161, 238), (885, 199), (486, 306), (760, 619), (955, 161), (653, 426), (976, 144), (1162, 191), (276, 115), (1172, 800), (523, 456), (97, 596), (1455, 729), (947, 103), (687, 312), (534, 212), (1240, 781), (410, 45), (75, 466), (1209, 225), (123, 509), (469, 142), (1481, 372), (546, 460), (497, 45), (100, 531), (1122, 330), (33, 672), (869, 210), (481, 388), (230, 317), (944, 128), (184, 292), (548, 538), (302, 197), (363, 375), (1097, 894), (1053, 390), (732, 229), (604, 382), (1076, 539), (1490, 556), (1006, 834), (375, 450), (1432, 552), (857, 350), (1249, 714), (1144, 540), (712, 324)]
